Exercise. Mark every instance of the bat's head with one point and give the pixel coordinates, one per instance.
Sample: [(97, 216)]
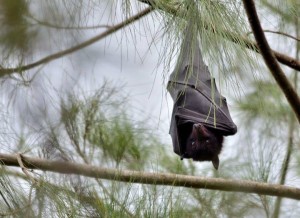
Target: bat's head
[(203, 144)]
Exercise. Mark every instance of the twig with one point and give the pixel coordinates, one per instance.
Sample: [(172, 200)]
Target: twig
[(270, 59), (6, 71), (154, 178), (55, 26), (279, 33), (240, 40), (24, 169)]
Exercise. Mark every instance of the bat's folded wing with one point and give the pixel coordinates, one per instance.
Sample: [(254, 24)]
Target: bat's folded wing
[(196, 97), (198, 102)]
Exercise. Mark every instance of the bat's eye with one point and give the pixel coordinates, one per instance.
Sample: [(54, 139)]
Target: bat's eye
[(193, 143), (207, 141)]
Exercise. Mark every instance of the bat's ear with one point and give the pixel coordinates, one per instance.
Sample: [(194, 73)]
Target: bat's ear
[(215, 161)]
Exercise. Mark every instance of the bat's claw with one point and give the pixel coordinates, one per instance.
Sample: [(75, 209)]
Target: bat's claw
[(215, 161)]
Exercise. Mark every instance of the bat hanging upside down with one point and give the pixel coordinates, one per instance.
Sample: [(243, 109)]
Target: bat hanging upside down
[(201, 143), (200, 117)]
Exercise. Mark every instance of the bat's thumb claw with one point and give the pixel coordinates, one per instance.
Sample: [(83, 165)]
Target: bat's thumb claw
[(215, 161), (181, 157)]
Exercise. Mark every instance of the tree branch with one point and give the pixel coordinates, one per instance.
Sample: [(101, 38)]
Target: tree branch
[(153, 178), (240, 40), (286, 161), (282, 33), (6, 71), (24, 169), (269, 58)]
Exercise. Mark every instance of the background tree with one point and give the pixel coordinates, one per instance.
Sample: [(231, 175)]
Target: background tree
[(77, 86)]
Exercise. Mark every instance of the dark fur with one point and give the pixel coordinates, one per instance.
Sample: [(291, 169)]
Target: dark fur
[(201, 143)]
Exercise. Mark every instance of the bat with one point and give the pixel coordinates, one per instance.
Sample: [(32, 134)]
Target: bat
[(200, 117), (201, 143)]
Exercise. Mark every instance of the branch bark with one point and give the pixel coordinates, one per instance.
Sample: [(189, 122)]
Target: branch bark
[(269, 58), (6, 71), (153, 178), (240, 40)]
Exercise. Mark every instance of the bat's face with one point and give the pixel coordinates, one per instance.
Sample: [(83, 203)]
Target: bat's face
[(203, 144)]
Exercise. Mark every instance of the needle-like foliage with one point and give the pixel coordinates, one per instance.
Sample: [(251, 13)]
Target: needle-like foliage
[(56, 105)]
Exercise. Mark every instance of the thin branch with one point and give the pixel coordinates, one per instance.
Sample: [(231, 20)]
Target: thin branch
[(282, 33), (24, 169), (56, 26), (153, 178), (282, 58), (236, 38), (269, 58), (6, 71), (279, 33)]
